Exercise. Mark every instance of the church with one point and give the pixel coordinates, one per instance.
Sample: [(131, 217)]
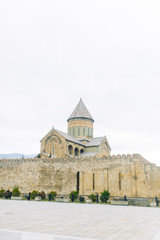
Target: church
[(78, 141), (77, 161)]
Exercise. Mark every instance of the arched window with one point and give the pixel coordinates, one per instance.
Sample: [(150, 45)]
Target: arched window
[(70, 149), (76, 151), (81, 151)]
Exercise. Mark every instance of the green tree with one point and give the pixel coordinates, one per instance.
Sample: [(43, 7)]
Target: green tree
[(105, 196), (73, 195), (16, 192), (34, 194), (53, 195), (93, 197), (2, 191)]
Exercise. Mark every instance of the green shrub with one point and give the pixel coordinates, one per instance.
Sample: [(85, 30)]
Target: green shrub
[(34, 194), (42, 195), (104, 196), (81, 199), (53, 195), (93, 197), (74, 194), (16, 192), (2, 191)]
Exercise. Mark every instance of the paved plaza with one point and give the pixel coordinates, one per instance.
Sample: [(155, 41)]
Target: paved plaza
[(30, 220)]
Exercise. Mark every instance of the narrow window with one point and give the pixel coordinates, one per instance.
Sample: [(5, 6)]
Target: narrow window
[(76, 152), (71, 131), (93, 182), (91, 132), (86, 131), (77, 181), (81, 151), (53, 150), (70, 149), (119, 181), (83, 131)]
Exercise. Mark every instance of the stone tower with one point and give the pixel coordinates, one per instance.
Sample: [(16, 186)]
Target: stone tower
[(80, 123)]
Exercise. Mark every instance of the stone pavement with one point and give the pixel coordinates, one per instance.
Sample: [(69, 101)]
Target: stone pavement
[(30, 220)]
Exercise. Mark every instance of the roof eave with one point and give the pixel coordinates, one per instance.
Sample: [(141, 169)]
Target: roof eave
[(75, 142), (80, 118)]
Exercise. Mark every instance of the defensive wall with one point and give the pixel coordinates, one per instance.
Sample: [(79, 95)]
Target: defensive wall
[(129, 175)]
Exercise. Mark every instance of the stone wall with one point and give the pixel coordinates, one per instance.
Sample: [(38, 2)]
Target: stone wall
[(121, 175)]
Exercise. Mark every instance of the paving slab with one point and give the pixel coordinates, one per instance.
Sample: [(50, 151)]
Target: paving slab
[(32, 220)]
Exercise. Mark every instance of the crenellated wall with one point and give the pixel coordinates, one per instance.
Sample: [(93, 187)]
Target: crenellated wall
[(129, 175)]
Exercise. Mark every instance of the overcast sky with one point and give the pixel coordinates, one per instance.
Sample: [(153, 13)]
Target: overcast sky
[(54, 52)]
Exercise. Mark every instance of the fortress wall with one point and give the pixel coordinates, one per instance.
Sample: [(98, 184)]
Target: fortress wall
[(129, 175)]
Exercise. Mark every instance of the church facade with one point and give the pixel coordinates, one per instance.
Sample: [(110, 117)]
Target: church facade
[(79, 141)]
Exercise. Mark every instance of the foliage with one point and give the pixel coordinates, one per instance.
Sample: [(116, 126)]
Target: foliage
[(53, 195), (34, 194), (73, 195), (93, 197), (81, 199), (42, 195), (105, 196), (2, 191), (39, 155), (16, 192)]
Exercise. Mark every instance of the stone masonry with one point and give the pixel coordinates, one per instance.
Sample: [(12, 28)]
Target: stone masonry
[(121, 175)]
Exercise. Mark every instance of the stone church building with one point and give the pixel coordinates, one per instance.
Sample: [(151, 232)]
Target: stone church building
[(79, 141), (77, 161)]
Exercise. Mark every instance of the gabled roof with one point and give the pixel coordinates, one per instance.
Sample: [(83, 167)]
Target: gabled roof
[(66, 136), (81, 112), (92, 143), (95, 141), (69, 138)]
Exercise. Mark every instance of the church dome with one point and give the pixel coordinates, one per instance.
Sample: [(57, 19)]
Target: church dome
[(80, 122), (80, 112)]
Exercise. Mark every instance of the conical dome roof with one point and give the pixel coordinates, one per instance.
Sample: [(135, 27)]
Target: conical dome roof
[(81, 112)]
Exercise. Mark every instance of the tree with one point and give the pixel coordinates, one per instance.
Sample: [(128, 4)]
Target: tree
[(16, 192), (73, 195), (53, 195), (105, 196), (93, 197)]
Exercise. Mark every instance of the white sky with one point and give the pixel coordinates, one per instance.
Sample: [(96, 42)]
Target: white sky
[(54, 52)]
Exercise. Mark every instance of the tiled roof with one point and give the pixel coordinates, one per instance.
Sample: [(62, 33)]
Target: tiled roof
[(95, 141), (81, 111)]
